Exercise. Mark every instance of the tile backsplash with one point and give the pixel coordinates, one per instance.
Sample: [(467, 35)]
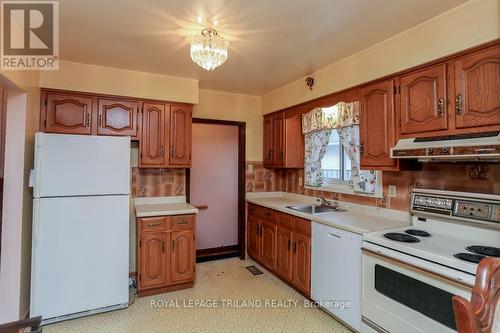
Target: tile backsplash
[(158, 182), (482, 178)]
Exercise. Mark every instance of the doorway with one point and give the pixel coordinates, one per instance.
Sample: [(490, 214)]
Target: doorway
[(216, 186)]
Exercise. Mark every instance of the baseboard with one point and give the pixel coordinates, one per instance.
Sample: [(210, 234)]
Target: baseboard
[(217, 253)]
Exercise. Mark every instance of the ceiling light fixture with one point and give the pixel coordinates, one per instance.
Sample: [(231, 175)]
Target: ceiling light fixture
[(209, 50)]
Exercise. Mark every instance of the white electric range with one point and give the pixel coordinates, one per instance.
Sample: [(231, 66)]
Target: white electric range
[(410, 274)]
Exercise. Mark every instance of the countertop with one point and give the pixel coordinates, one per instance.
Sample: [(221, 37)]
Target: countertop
[(359, 219), (163, 206)]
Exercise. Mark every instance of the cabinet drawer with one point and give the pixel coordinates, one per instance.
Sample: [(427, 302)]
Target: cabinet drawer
[(153, 224), (182, 221), (303, 226), (286, 221)]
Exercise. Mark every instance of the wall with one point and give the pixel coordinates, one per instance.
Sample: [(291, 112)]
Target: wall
[(236, 107), (22, 119), (473, 177), (114, 81), (470, 24)]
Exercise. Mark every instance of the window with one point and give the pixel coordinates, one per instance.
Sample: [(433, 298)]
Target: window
[(335, 165)]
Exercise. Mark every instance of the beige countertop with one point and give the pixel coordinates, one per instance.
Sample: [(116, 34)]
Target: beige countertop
[(359, 219), (163, 206)]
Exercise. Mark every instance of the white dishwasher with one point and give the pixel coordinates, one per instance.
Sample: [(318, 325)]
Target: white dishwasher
[(336, 272)]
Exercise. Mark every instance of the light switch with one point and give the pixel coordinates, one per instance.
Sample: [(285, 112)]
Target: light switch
[(392, 191), (250, 168), (300, 181)]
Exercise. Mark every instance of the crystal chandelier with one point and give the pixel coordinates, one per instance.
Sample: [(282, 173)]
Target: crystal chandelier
[(209, 50)]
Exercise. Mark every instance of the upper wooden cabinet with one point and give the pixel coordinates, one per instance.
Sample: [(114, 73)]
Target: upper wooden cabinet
[(377, 126), (423, 100), (477, 89), (163, 128), (117, 117), (283, 141), (67, 114), (180, 135), (153, 141)]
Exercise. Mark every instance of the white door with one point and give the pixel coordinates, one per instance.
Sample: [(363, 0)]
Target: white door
[(74, 165), (79, 255)]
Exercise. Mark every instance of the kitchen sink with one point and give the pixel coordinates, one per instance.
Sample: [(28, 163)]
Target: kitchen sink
[(315, 209)]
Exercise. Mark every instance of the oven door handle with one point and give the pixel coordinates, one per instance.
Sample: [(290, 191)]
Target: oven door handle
[(374, 326)]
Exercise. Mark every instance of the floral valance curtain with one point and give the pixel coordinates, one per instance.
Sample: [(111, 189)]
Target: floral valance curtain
[(317, 126)]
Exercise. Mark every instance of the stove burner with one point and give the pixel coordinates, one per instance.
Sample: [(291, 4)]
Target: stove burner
[(470, 257), (396, 236), (484, 250), (416, 232)]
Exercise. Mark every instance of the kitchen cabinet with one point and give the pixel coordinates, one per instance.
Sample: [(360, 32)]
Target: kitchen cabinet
[(283, 141), (477, 89), (180, 135), (67, 114), (152, 145), (117, 117), (423, 100), (377, 127), (268, 243), (163, 128), (166, 253), (153, 260), (281, 243)]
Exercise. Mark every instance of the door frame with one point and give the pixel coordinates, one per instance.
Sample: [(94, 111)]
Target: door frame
[(241, 180)]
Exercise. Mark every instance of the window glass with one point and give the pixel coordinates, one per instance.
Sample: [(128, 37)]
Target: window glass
[(330, 164)]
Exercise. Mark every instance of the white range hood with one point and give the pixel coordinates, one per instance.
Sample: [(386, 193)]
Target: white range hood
[(462, 147)]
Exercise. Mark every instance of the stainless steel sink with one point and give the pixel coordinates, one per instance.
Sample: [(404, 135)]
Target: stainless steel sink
[(315, 209)]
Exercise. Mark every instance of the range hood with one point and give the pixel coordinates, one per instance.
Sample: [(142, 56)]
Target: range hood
[(461, 147)]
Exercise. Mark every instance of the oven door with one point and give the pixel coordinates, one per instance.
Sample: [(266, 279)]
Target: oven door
[(401, 298)]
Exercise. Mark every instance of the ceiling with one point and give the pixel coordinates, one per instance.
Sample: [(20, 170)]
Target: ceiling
[(272, 42)]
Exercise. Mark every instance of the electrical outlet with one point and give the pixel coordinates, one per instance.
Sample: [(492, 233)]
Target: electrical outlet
[(392, 191), (300, 181), (250, 168)]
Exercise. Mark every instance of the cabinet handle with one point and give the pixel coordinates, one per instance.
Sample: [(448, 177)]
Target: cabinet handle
[(289, 244), (361, 148), (162, 246), (458, 104), (88, 119), (100, 120), (171, 151), (282, 153), (294, 247), (161, 151), (441, 107), (154, 225), (183, 222), (173, 245)]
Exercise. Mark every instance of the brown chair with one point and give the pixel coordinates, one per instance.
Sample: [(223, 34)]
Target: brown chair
[(477, 315)]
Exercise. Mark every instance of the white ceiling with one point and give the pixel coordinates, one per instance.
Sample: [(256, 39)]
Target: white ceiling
[(273, 42)]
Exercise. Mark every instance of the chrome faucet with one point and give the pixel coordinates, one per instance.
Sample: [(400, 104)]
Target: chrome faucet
[(326, 203)]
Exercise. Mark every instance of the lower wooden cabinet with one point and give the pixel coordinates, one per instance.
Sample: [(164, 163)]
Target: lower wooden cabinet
[(281, 243), (166, 253)]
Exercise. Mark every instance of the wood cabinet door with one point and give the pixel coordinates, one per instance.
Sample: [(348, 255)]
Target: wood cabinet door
[(302, 262), (268, 140), (68, 114), (423, 100), (153, 260), (279, 139), (253, 235), (180, 135), (376, 125), (477, 89), (268, 244), (183, 256), (152, 147), (117, 117), (285, 255)]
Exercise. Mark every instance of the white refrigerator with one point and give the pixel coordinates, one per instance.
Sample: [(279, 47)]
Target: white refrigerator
[(80, 237)]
